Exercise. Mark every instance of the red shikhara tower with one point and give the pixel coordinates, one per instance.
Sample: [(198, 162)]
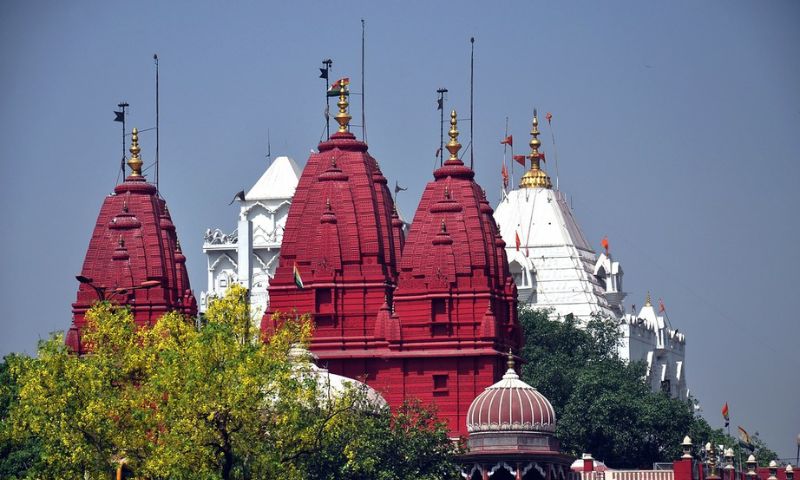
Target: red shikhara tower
[(455, 299), (341, 241), (455, 302), (134, 257)]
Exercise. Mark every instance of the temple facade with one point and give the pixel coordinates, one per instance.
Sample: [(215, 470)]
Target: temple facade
[(431, 324), (555, 268), (134, 256), (249, 254)]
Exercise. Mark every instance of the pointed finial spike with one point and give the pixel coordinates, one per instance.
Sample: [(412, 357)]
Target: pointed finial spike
[(535, 177), (647, 300), (453, 146), (343, 118), (510, 361), (135, 162)]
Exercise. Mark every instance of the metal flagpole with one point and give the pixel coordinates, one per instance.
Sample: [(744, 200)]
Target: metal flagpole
[(363, 91), (155, 58), (471, 117), (505, 146), (269, 150), (325, 73), (440, 104), (123, 105)]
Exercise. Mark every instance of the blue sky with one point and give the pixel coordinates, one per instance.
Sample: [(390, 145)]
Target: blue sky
[(676, 125)]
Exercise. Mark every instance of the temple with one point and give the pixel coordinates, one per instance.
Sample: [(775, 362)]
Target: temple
[(549, 257), (555, 268), (430, 326), (134, 256)]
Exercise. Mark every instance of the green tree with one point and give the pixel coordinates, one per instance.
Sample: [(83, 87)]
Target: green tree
[(602, 403), (174, 401)]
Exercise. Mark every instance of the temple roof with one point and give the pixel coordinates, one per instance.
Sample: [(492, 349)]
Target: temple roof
[(453, 248), (338, 235), (278, 181), (547, 250), (134, 257)]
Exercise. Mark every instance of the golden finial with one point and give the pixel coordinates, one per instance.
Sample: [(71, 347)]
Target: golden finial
[(135, 162), (535, 177), (647, 301), (510, 361), (453, 146), (343, 117)]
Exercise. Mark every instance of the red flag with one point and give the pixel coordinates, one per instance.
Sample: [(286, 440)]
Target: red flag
[(504, 172), (549, 117), (520, 159), (516, 234), (604, 243), (725, 413), (509, 140), (662, 309)]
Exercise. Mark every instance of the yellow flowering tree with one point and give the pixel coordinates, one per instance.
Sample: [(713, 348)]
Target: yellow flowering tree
[(216, 402)]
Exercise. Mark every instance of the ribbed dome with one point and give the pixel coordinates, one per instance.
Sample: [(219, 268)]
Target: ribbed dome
[(511, 405)]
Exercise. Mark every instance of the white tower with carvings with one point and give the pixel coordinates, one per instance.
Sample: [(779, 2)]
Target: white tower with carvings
[(556, 268), (250, 254)]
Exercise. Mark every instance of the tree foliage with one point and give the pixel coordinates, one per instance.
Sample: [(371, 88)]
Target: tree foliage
[(603, 404), (180, 402)]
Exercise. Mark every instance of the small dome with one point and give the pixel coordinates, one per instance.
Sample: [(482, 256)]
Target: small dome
[(330, 384), (511, 405)]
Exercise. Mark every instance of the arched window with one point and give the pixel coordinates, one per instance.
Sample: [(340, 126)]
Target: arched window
[(520, 274)]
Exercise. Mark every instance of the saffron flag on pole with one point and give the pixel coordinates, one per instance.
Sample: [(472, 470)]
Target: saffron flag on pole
[(549, 117), (725, 413), (516, 234), (509, 140), (519, 159), (662, 309), (604, 243), (297, 280), (504, 172)]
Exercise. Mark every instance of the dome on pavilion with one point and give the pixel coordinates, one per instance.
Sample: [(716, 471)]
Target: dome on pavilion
[(511, 405)]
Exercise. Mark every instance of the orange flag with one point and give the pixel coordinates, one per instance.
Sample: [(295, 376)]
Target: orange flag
[(516, 234), (604, 243)]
